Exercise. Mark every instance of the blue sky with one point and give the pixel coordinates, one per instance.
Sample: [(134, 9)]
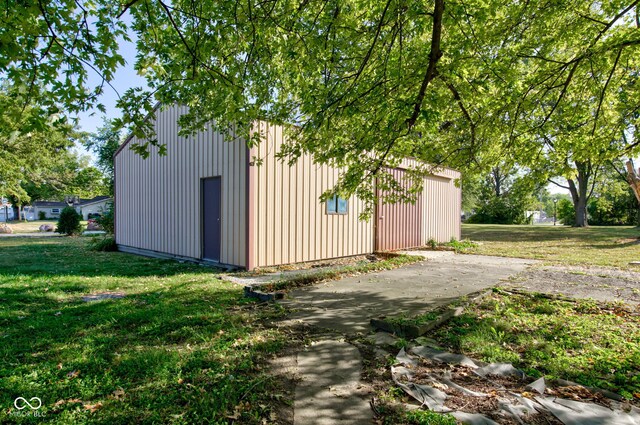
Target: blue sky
[(125, 78)]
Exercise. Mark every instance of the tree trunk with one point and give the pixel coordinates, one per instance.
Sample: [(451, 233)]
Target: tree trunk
[(633, 180), (16, 212), (579, 189)]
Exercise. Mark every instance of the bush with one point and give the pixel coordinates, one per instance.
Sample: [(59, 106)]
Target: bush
[(500, 210), (69, 222), (105, 243), (106, 220), (566, 213), (42, 215)]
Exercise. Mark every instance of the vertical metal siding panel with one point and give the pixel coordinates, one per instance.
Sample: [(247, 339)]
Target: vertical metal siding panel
[(291, 223), (158, 199), (298, 240), (278, 207), (260, 202), (272, 201)]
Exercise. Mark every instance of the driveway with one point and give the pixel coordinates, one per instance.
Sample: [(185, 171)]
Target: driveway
[(348, 304)]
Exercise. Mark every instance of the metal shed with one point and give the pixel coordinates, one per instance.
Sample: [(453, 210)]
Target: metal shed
[(207, 200)]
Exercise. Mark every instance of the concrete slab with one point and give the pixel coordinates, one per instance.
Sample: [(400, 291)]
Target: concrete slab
[(347, 305), (329, 391)]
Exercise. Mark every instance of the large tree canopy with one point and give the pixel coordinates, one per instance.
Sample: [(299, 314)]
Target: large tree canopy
[(361, 84), (31, 141)]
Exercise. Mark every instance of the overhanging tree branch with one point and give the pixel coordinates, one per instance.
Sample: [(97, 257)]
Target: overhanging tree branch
[(434, 55)]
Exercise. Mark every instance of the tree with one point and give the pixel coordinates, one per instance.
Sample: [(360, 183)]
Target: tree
[(65, 174), (359, 84), (104, 143), (49, 51), (28, 146), (505, 197), (69, 222)]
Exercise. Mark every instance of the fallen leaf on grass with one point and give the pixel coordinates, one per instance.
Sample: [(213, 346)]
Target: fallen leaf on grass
[(118, 394), (69, 401), (92, 407), (73, 374)]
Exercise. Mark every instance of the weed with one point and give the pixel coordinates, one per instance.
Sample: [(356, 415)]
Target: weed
[(427, 417), (586, 342)]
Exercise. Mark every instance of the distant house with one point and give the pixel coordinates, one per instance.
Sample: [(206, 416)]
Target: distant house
[(97, 205), (52, 209), (247, 213)]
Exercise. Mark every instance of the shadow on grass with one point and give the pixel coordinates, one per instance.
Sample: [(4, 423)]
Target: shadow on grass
[(175, 354), (70, 256), (517, 233)]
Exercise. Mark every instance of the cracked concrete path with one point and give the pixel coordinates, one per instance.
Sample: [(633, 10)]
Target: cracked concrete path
[(330, 390), (348, 304)]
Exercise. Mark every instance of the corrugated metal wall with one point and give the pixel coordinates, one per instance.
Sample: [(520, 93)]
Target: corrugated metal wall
[(440, 210), (399, 225), (158, 199), (442, 207), (290, 224)]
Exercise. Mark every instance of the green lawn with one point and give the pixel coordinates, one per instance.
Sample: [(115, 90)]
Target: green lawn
[(601, 246), (594, 345), (34, 226), (181, 347)]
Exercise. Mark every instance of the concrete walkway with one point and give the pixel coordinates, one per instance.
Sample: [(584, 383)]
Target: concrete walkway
[(330, 390), (348, 304)]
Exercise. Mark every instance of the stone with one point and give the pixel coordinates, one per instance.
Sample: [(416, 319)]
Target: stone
[(93, 225), (45, 228)]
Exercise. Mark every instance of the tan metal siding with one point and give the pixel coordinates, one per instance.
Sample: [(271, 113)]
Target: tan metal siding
[(442, 202), (290, 223), (158, 199), (442, 209), (399, 225)]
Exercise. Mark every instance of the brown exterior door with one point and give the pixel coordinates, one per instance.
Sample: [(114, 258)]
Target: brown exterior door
[(398, 225), (211, 210)]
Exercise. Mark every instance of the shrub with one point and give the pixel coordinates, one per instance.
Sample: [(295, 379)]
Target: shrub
[(104, 243), (42, 215), (69, 222), (106, 220), (566, 213)]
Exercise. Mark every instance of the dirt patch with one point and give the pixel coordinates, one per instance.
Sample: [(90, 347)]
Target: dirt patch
[(602, 284)]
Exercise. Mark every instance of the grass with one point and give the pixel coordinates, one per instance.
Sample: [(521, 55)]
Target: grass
[(182, 347), (595, 246), (592, 344), (32, 226), (403, 319)]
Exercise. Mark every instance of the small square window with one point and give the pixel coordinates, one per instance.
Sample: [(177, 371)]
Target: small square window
[(55, 210), (337, 205)]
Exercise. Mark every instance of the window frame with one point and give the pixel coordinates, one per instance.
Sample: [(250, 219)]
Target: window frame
[(336, 199)]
